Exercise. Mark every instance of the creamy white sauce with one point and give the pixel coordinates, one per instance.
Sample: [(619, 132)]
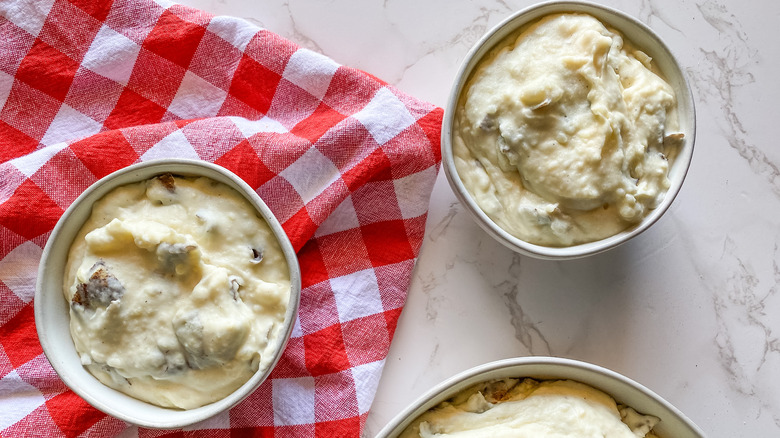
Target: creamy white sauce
[(560, 134), (529, 408), (178, 290)]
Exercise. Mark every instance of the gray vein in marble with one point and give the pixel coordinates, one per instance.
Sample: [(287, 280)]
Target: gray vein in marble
[(466, 38), (299, 36), (772, 346), (430, 283), (739, 287), (740, 317), (649, 10), (480, 24), (255, 21), (719, 17), (742, 306), (438, 230), (432, 362), (739, 306), (504, 281), (727, 68), (526, 330)]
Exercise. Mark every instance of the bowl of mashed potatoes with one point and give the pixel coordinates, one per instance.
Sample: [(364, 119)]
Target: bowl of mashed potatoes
[(166, 293), (569, 130), (540, 397)]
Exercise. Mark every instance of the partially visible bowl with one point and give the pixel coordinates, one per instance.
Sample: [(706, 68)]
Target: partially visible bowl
[(52, 311), (624, 390), (643, 38)]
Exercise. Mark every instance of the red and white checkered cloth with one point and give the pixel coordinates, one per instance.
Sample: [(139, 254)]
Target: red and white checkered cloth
[(345, 162)]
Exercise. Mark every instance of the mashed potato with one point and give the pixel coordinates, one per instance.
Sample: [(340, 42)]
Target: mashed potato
[(529, 408), (177, 291), (562, 137)]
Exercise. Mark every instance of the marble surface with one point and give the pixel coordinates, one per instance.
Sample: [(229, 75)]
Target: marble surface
[(690, 308)]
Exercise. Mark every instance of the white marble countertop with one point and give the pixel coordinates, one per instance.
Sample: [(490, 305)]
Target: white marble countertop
[(690, 308)]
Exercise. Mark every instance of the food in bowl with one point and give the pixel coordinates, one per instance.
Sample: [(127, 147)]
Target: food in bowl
[(177, 290), (563, 134), (672, 422), (530, 407)]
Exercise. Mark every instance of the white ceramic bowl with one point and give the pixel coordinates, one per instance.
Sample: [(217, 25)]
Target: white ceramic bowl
[(642, 37), (673, 423), (52, 312)]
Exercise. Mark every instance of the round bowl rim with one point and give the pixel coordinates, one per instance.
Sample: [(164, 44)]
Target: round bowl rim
[(490, 39), (480, 373), (71, 375)]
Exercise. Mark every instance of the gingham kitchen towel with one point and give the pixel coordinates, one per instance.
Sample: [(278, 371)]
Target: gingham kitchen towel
[(345, 162)]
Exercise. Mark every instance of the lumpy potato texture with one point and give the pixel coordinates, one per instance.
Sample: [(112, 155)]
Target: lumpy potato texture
[(531, 408), (178, 291), (561, 134)]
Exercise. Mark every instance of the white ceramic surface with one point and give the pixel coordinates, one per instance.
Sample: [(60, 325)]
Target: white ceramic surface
[(690, 308), (624, 390), (52, 312), (642, 37)]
